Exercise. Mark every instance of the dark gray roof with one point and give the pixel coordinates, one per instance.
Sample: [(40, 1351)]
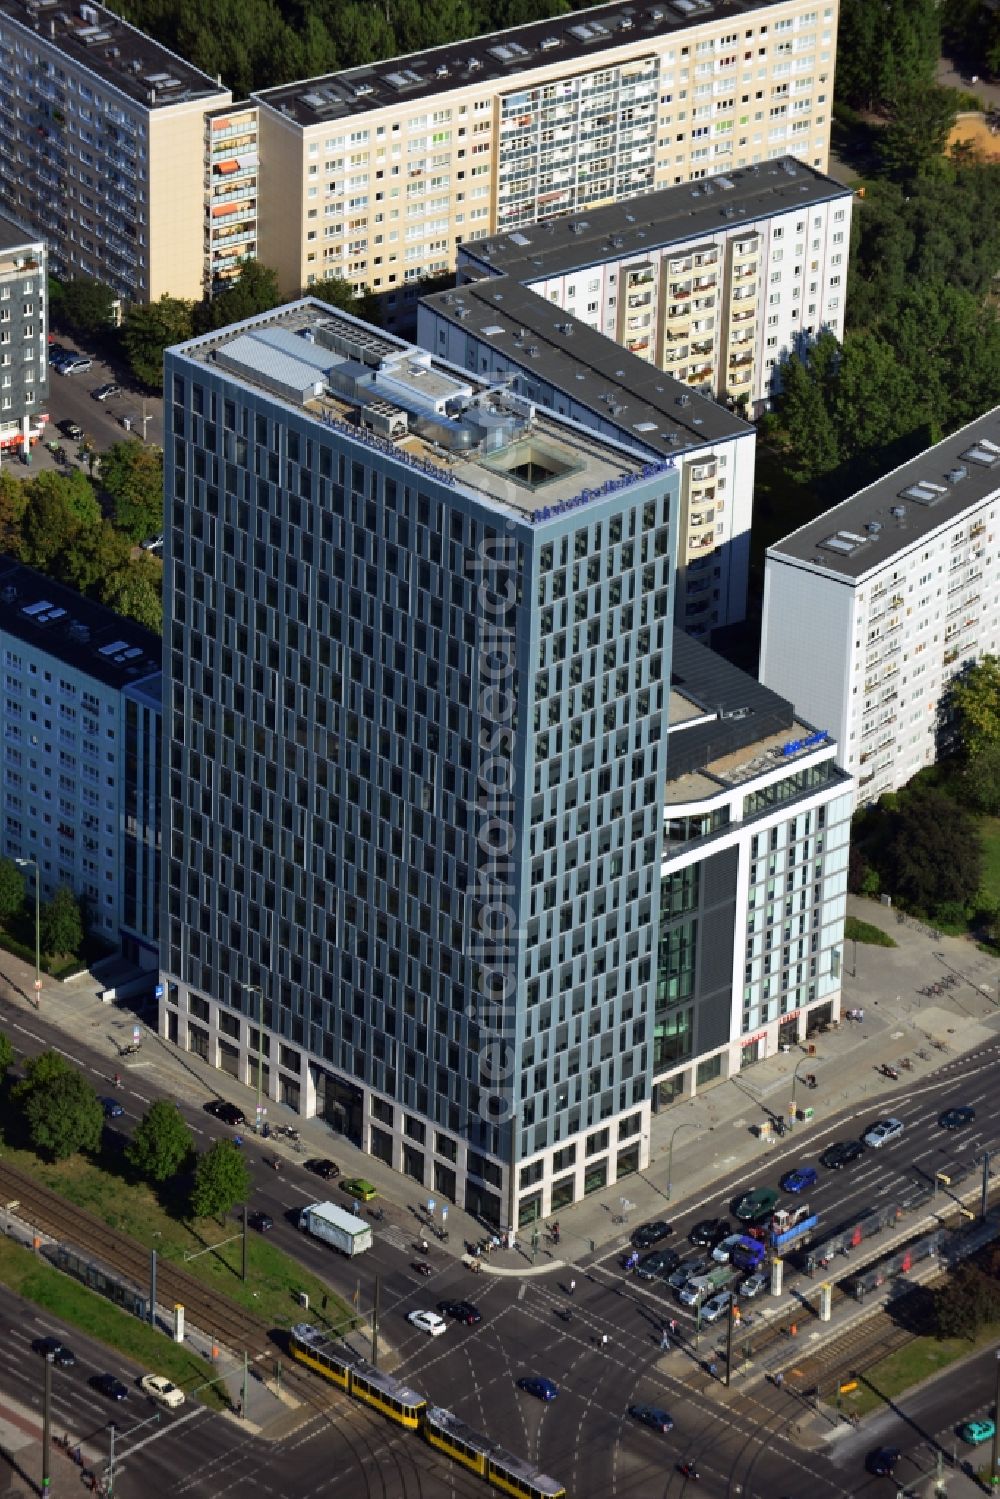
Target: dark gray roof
[(864, 532), (116, 52), (722, 689), (82, 634), (14, 234), (642, 402), (589, 36), (654, 220)]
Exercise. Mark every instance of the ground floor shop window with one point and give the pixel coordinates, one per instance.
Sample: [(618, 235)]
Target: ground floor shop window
[(596, 1177), (628, 1161)]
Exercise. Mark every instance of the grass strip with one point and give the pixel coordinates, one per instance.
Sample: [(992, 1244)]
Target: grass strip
[(864, 931)]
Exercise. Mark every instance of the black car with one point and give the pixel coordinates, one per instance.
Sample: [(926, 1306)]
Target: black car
[(72, 430), (687, 1270), (841, 1154), (262, 1222), (227, 1112), (320, 1166), (710, 1231), (957, 1118), (650, 1234), (61, 1355), (461, 1311), (660, 1262), (107, 1384), (882, 1461), (651, 1415)]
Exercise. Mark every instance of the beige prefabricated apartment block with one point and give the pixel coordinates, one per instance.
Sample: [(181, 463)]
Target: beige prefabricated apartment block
[(377, 174), (102, 147)]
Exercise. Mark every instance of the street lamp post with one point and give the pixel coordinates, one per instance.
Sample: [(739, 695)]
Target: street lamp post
[(795, 1075), (256, 989), (33, 864), (689, 1124)]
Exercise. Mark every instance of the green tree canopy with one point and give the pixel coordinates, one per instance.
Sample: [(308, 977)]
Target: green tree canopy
[(137, 591), (913, 143), (883, 47), (933, 852), (254, 290), (12, 887), (62, 922), (162, 1143), (39, 1070), (974, 703), (221, 1179), (148, 329), (6, 1054), (980, 779), (86, 306), (64, 1115), (13, 503), (132, 474)]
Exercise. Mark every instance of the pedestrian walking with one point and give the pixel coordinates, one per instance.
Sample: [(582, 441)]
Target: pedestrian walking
[(664, 1343), (672, 1327), (779, 1380), (713, 1369), (118, 1079), (604, 1340), (572, 1287)]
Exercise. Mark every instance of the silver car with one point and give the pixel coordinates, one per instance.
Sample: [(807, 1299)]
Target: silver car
[(882, 1132), (716, 1307)]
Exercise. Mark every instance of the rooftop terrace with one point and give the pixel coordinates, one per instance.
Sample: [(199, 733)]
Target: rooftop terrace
[(386, 394)]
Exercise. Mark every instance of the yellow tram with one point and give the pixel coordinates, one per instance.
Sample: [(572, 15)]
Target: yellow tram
[(443, 1430)]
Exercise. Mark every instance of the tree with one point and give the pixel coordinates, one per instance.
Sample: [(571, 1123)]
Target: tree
[(255, 290), (913, 142), (6, 1054), (341, 294), (967, 1301), (62, 923), (39, 1072), (807, 382), (13, 503), (933, 855), (132, 474), (86, 306), (980, 780), (221, 1179), (162, 1142), (148, 329), (74, 490), (974, 701), (136, 591), (11, 889), (64, 1115)]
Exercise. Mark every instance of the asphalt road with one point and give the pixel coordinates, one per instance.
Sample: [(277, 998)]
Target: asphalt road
[(585, 1437), (70, 399), (924, 1425)]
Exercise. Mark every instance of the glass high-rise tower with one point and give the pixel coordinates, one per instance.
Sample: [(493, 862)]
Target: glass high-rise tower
[(417, 649)]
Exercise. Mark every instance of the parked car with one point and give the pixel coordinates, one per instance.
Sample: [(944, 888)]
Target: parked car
[(709, 1231), (72, 430), (153, 543), (160, 1389), (957, 1118), (650, 1234), (461, 1311), (800, 1179), (842, 1153), (77, 364), (754, 1206), (357, 1187), (109, 1385), (262, 1222), (651, 1415), (658, 1262), (716, 1306), (428, 1322), (112, 1108), (539, 1386), (975, 1432), (61, 1355), (687, 1270), (882, 1132), (321, 1166), (106, 392), (221, 1108)]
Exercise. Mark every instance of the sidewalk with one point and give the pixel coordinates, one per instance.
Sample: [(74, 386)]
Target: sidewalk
[(718, 1126)]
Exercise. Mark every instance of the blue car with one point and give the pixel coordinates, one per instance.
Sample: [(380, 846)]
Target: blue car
[(535, 1384), (112, 1108), (799, 1180)]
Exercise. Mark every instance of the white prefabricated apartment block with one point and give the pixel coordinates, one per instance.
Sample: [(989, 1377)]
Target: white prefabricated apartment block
[(715, 282), (871, 609)]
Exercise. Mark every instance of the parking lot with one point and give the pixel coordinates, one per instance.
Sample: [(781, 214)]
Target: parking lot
[(71, 400)]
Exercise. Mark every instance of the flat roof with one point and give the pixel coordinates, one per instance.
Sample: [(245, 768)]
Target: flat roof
[(422, 412), (75, 630), (120, 55), (15, 236), (641, 401), (580, 36), (863, 533), (652, 221)]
